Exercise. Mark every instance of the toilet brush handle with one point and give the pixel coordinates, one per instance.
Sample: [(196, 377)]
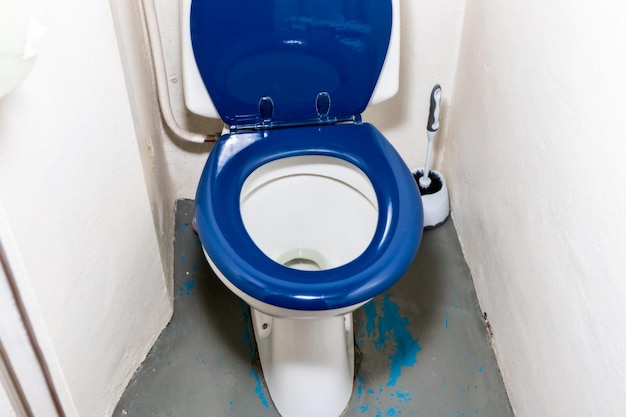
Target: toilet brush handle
[(424, 180), (431, 128), (431, 138), (435, 105)]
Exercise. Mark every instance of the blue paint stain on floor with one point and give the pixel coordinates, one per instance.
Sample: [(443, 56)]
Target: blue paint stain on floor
[(258, 390), (404, 397), (370, 315), (359, 390), (391, 341), (383, 401), (442, 386), (392, 329), (245, 315), (187, 287), (391, 332)]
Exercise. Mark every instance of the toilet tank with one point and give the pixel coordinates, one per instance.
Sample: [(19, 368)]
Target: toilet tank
[(197, 98)]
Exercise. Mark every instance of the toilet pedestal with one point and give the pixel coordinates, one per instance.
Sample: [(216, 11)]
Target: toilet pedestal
[(308, 364)]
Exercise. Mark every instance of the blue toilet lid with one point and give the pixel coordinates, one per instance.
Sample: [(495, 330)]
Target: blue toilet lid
[(226, 241), (289, 51)]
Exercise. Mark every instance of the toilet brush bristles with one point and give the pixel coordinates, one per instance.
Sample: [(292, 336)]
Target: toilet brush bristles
[(435, 182)]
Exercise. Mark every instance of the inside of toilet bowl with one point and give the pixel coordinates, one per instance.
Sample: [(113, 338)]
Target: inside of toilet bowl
[(309, 212)]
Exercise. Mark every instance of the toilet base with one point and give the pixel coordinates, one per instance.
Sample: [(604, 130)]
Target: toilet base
[(308, 363)]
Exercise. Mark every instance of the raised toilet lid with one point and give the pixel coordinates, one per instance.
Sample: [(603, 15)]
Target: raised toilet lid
[(289, 51)]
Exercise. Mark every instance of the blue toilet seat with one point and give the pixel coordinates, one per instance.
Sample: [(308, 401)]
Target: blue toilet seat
[(224, 237), (285, 75)]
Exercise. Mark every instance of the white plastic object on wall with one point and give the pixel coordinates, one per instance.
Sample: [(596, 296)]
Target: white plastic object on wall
[(19, 37)]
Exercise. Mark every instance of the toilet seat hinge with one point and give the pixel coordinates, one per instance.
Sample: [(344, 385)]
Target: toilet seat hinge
[(265, 121), (266, 110), (322, 105)]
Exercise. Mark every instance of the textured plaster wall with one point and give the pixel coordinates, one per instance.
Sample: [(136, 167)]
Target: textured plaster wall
[(150, 132), (74, 196), (535, 158)]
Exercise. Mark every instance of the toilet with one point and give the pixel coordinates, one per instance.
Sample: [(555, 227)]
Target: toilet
[(303, 211)]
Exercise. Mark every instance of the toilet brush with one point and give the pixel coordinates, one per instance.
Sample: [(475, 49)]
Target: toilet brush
[(431, 131), (431, 184)]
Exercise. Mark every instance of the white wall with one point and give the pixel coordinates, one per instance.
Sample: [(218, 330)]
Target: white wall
[(151, 136), (6, 409), (75, 199), (430, 37), (536, 160), (19, 363), (430, 40)]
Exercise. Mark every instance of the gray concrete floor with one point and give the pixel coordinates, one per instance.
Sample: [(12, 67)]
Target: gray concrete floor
[(424, 349)]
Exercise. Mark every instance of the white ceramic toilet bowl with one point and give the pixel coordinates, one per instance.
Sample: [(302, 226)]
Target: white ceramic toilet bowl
[(310, 213), (305, 236)]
